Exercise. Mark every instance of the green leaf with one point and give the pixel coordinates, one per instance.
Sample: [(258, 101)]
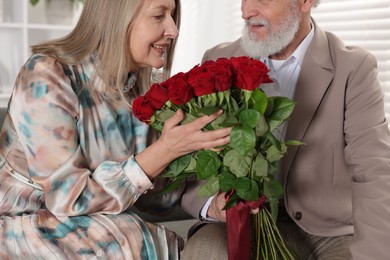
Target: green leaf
[(237, 163), (274, 154), (262, 126), (227, 181), (273, 167), (163, 115), (249, 118), (247, 189), (188, 118), (282, 108), (260, 101), (242, 139), (210, 188), (174, 185), (207, 164), (276, 189), (274, 141), (208, 110), (219, 121), (234, 105), (260, 166), (294, 143), (192, 165), (270, 107), (229, 157), (179, 165), (272, 189), (273, 124), (34, 2), (231, 120)]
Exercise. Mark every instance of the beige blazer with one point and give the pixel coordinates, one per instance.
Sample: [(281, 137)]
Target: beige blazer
[(339, 182)]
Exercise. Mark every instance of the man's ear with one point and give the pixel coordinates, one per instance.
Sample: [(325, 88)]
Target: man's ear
[(307, 5)]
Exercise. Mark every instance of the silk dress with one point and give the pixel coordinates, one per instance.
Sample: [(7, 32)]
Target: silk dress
[(68, 173)]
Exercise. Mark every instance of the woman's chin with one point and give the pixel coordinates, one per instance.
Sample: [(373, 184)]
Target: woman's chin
[(158, 65)]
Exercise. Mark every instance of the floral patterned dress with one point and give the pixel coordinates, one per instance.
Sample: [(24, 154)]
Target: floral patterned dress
[(68, 173)]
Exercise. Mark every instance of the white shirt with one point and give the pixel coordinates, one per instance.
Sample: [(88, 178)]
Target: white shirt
[(284, 74)]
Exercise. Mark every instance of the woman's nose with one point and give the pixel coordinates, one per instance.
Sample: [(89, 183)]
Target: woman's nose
[(171, 30)]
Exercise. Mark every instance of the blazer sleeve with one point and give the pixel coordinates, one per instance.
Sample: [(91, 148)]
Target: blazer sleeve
[(367, 152)]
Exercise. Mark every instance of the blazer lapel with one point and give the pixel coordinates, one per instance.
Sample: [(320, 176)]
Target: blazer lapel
[(315, 77)]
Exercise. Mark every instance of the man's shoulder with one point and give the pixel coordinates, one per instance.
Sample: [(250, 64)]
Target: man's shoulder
[(352, 53), (329, 51), (225, 49)]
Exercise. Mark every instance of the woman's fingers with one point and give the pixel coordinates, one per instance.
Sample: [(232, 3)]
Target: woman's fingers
[(215, 138), (183, 139), (174, 120), (197, 124), (203, 121)]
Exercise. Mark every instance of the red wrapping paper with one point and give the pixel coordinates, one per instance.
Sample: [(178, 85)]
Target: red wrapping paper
[(239, 229)]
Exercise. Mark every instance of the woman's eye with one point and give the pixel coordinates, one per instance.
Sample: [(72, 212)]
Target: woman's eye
[(159, 17)]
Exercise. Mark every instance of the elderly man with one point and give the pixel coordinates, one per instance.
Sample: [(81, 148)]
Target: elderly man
[(337, 186)]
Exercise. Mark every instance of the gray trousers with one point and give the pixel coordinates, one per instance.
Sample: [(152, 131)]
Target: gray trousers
[(210, 242)]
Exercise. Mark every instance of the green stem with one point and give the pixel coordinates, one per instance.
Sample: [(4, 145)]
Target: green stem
[(270, 234), (268, 241), (286, 252)]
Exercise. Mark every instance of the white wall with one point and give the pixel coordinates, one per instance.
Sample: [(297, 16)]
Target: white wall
[(204, 24)]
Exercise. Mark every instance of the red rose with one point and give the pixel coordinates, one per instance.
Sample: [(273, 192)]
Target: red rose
[(223, 74), (201, 80), (250, 73), (179, 91), (142, 109), (158, 96)]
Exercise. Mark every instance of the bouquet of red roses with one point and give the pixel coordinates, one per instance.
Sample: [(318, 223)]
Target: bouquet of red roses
[(245, 168)]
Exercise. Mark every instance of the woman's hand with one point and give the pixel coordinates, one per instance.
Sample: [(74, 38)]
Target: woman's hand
[(183, 139), (177, 140)]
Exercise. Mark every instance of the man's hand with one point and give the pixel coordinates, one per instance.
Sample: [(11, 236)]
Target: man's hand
[(215, 210)]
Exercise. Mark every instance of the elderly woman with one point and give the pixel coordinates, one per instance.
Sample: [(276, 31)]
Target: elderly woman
[(73, 157)]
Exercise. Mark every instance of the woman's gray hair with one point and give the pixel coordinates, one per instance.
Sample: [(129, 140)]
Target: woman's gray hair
[(105, 25)]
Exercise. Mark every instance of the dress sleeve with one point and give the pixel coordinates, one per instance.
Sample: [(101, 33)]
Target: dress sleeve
[(45, 111)]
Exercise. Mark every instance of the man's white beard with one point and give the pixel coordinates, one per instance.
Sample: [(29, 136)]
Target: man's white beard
[(278, 38)]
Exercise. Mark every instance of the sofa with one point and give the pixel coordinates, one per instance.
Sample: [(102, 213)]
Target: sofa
[(176, 220)]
